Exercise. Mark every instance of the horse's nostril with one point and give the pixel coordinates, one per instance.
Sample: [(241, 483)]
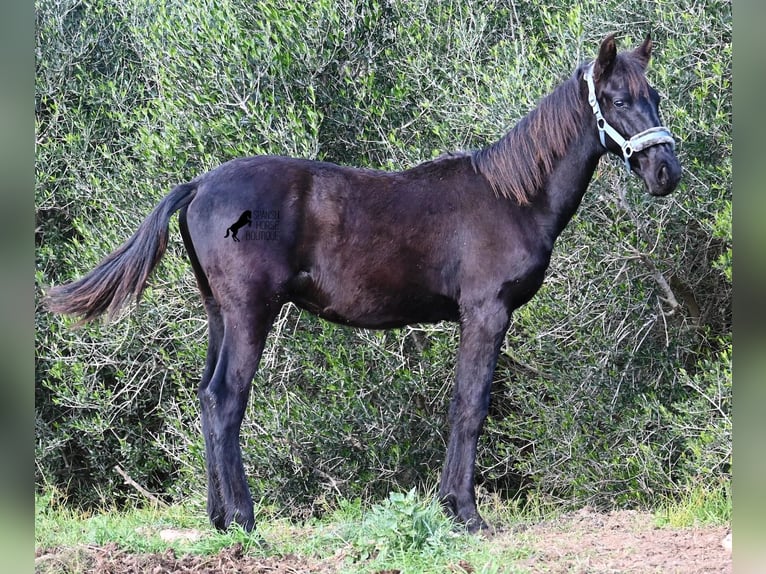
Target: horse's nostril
[(662, 174)]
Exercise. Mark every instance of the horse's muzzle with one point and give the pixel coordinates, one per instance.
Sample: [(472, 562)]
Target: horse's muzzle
[(658, 166)]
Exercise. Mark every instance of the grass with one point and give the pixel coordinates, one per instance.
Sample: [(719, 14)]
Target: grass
[(700, 506), (405, 532)]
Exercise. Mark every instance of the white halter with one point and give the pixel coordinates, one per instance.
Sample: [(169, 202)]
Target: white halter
[(643, 140)]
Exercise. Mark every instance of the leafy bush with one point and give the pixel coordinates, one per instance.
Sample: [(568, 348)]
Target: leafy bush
[(614, 383), (402, 523)]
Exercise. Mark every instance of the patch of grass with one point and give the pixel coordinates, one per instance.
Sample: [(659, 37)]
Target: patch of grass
[(701, 506), (533, 508), (406, 532), (135, 529), (404, 528), (55, 523)]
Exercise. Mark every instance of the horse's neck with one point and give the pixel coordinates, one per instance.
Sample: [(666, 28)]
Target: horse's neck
[(568, 182)]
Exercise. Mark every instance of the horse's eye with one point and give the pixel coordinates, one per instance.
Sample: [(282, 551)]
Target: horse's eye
[(618, 103)]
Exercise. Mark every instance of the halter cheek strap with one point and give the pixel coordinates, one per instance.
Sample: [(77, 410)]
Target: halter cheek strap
[(647, 138)]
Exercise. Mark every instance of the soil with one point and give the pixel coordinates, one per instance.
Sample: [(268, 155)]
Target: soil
[(584, 542), (625, 541)]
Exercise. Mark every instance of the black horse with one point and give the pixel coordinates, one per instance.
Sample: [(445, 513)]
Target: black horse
[(466, 237)]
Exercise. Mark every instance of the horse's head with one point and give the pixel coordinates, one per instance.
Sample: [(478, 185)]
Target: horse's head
[(626, 110)]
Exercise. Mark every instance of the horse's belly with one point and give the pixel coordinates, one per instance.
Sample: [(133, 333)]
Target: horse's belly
[(369, 304)]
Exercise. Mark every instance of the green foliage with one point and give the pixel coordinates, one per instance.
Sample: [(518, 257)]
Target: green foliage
[(351, 418), (702, 421), (722, 231), (614, 386), (402, 523), (701, 505)]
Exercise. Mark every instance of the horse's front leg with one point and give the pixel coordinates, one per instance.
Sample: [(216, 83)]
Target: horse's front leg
[(482, 331)]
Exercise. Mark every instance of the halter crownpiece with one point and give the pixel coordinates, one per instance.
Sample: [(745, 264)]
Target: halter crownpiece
[(647, 138)]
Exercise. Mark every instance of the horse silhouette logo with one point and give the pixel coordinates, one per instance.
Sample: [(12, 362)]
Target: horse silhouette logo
[(245, 219)]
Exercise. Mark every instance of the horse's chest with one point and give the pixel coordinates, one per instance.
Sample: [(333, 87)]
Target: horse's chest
[(525, 277)]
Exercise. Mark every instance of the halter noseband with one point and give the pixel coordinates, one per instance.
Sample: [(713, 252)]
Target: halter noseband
[(642, 140)]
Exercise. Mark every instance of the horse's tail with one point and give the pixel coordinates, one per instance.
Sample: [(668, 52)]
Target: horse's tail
[(227, 232), (122, 274)]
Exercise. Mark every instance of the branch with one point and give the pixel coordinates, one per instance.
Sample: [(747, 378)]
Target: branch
[(669, 297), (138, 487)]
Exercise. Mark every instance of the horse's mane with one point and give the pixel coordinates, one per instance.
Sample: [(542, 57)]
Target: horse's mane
[(518, 164)]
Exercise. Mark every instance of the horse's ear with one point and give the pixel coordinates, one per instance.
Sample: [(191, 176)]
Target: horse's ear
[(644, 52), (607, 55)]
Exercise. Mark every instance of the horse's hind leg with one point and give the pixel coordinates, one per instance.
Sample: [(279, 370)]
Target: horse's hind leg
[(232, 358), (223, 401), (215, 340)]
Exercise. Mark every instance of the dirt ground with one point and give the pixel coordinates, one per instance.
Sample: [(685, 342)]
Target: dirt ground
[(625, 541), (584, 542)]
